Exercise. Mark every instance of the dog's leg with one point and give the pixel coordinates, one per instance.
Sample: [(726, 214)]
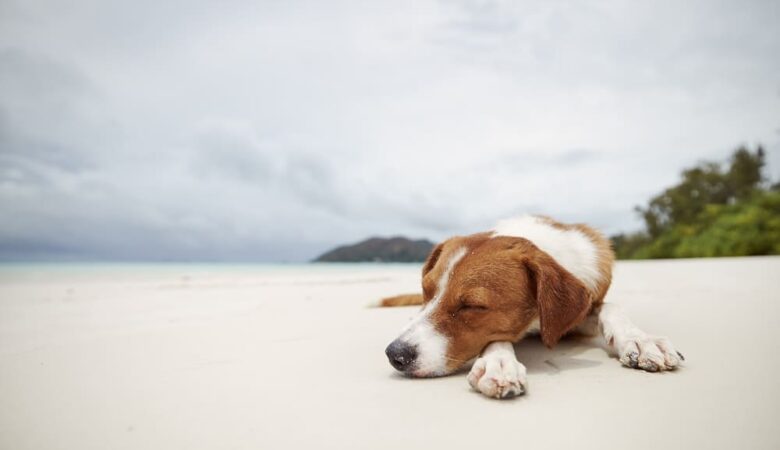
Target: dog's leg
[(497, 372), (634, 347), (402, 300)]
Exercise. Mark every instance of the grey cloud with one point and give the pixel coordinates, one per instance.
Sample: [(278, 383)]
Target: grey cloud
[(312, 180), (483, 17), (232, 157), (30, 156), (34, 76), (241, 157), (521, 162), (38, 102), (623, 46)]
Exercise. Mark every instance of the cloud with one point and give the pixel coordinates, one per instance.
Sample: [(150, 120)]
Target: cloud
[(272, 131)]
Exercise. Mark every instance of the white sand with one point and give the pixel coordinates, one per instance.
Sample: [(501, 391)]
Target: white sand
[(186, 358)]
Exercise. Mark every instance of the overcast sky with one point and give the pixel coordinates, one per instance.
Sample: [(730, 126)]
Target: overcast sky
[(271, 131)]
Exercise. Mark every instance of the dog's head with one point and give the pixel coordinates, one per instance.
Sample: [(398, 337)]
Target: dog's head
[(480, 289)]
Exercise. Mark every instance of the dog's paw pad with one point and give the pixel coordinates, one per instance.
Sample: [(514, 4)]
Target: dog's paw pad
[(652, 354), (498, 376)]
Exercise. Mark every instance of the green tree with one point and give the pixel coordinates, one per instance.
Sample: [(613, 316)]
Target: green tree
[(703, 185), (626, 245), (713, 211), (745, 172)]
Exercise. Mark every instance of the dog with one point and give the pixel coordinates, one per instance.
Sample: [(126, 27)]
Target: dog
[(530, 274)]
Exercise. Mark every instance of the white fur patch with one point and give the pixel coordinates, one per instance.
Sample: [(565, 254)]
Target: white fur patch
[(431, 345), (634, 347), (497, 373), (431, 348), (572, 249)]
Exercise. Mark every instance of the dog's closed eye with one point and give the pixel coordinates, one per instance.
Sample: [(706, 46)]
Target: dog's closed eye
[(467, 304)]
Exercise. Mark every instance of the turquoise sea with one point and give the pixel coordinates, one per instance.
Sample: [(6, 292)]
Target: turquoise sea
[(131, 269)]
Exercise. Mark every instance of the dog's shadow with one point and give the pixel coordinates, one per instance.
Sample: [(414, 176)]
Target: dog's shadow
[(564, 356), (537, 358)]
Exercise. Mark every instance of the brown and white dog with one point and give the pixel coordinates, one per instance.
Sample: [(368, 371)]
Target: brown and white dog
[(485, 291)]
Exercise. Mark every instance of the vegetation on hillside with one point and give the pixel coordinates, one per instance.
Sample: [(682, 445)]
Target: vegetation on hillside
[(716, 210), (396, 249)]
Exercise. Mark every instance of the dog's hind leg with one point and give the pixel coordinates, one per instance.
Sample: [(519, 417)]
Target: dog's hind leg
[(634, 347), (402, 300)]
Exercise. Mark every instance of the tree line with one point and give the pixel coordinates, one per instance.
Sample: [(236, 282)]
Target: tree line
[(717, 209)]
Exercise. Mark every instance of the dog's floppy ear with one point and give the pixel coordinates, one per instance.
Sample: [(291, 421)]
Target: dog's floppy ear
[(433, 257), (562, 299)]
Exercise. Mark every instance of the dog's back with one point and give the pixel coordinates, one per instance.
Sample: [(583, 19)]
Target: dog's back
[(584, 252)]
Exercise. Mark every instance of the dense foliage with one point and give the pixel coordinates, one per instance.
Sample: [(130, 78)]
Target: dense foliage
[(396, 249), (713, 211)]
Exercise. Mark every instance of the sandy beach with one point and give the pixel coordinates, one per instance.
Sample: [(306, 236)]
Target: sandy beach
[(252, 357)]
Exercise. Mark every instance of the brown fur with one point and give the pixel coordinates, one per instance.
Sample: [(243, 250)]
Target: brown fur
[(562, 300), (402, 300)]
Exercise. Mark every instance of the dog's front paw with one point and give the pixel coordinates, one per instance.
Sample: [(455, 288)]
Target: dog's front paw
[(498, 376), (653, 354)]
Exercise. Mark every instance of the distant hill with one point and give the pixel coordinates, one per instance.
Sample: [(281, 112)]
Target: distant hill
[(395, 249)]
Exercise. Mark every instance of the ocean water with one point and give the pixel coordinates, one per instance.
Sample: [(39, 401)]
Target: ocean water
[(108, 270)]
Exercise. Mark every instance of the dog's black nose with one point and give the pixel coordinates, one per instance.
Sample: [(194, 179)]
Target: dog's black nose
[(401, 355)]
